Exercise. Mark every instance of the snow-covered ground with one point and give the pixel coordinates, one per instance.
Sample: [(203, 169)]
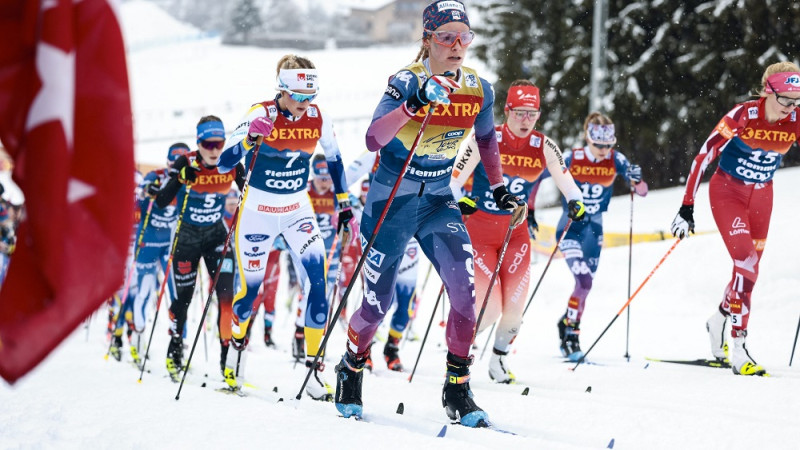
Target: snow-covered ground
[(76, 399)]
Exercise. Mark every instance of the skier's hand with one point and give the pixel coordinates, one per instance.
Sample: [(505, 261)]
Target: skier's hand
[(576, 210), (533, 227), (467, 205), (634, 173), (683, 224), (504, 200), (188, 174), (436, 89), (260, 126), (152, 188), (343, 227)]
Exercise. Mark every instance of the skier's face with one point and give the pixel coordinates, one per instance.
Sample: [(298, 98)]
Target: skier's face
[(600, 150), (210, 150), (776, 108), (297, 108), (521, 120), (445, 57)]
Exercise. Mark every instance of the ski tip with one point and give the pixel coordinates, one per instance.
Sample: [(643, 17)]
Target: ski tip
[(611, 444), (442, 432)]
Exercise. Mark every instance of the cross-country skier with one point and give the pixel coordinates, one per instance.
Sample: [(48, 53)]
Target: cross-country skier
[(196, 180), (424, 206), (276, 202), (750, 140), (525, 154), (594, 168)]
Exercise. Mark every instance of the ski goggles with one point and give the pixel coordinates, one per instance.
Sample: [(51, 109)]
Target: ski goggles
[(300, 98), (449, 38), (603, 146), (522, 114), (784, 100), (212, 145)]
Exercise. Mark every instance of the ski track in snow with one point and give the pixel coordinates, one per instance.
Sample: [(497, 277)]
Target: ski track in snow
[(76, 399)]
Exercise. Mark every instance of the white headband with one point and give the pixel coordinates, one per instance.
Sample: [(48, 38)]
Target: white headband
[(297, 79)]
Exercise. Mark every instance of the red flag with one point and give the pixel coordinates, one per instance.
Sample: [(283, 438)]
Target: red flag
[(65, 119)]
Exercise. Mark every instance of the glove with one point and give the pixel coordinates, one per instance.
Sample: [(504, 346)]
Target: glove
[(532, 225), (508, 202), (188, 174), (576, 210), (684, 222), (435, 89), (343, 227), (634, 173), (467, 205), (260, 126), (152, 188)]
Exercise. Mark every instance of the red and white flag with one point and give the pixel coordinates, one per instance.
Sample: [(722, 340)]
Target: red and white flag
[(65, 119)]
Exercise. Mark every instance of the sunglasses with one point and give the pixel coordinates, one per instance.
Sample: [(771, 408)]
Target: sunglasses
[(211, 145), (784, 100), (603, 146), (449, 38), (525, 114), (300, 98)]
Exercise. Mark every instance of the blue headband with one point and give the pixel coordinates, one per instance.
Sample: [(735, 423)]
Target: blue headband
[(207, 130)]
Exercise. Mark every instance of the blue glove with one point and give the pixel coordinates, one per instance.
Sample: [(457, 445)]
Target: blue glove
[(435, 89), (634, 173)]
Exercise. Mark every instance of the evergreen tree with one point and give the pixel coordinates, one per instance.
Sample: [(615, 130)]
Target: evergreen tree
[(245, 18), (674, 67)]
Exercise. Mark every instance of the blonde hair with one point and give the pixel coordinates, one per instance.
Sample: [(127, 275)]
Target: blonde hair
[(596, 118), (772, 69), (424, 51), (294, 62)]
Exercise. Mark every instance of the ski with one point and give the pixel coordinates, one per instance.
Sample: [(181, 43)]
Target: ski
[(489, 426), (724, 364), (231, 391)]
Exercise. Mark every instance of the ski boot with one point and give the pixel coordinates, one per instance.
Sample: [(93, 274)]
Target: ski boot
[(317, 388), (349, 374), (570, 342), (715, 325), (268, 338), (741, 362), (457, 396), (175, 358), (233, 362), (498, 369), (116, 347), (391, 355), (299, 344)]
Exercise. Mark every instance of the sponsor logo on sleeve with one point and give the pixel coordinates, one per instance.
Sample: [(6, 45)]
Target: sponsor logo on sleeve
[(724, 130), (752, 112), (391, 91), (312, 112), (536, 141), (471, 80)]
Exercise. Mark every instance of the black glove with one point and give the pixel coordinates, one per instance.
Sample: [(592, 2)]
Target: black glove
[(511, 203), (343, 227), (683, 224), (532, 225), (188, 173), (467, 205), (435, 89), (152, 188), (576, 210)]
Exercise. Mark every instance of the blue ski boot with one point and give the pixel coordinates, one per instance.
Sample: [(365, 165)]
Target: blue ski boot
[(349, 373)]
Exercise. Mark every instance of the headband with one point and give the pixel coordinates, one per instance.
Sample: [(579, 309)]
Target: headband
[(296, 79), (321, 168), (601, 133), (522, 96), (783, 82), (207, 130)]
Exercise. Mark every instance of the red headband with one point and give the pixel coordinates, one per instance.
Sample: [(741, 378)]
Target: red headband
[(783, 82), (522, 96)]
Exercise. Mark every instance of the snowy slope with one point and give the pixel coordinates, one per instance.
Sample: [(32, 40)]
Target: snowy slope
[(76, 399)]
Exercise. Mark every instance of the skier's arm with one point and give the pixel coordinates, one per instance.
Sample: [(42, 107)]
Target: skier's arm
[(237, 144), (467, 159), (557, 168), (486, 138), (170, 190), (360, 167)]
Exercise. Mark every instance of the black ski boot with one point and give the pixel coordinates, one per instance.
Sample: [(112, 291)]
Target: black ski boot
[(457, 396), (116, 347), (391, 354), (175, 357), (349, 373)]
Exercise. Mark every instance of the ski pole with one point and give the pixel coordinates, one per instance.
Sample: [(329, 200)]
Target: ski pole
[(555, 249), (795, 342), (630, 264), (488, 337), (335, 290), (427, 330), (131, 269), (368, 247), (663, 258), (494, 277), (200, 287), (222, 260), (166, 278)]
